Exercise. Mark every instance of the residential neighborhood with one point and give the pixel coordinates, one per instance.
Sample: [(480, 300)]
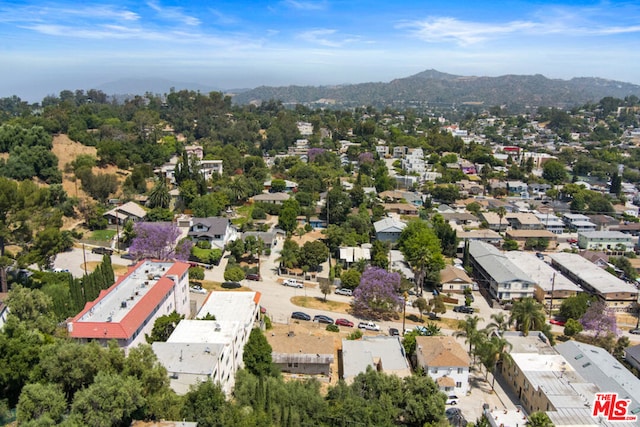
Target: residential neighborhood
[(487, 261)]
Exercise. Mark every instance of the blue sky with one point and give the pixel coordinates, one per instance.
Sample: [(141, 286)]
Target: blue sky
[(47, 46)]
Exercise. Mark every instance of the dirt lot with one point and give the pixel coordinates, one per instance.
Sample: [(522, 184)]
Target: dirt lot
[(67, 150)]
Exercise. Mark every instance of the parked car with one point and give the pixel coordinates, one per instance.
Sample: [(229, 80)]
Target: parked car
[(60, 270), (292, 283), (463, 309), (394, 332), (300, 315), (540, 255), (197, 289), (344, 322), (452, 399), (344, 291), (369, 326), (452, 412), (102, 250), (558, 322), (455, 417), (231, 285), (635, 331), (321, 318), (253, 276)]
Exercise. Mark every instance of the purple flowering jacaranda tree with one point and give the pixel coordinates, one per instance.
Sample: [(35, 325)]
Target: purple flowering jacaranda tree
[(159, 241), (377, 295), (599, 319)]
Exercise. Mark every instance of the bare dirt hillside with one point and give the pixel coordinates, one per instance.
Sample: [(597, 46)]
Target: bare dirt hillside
[(67, 150)]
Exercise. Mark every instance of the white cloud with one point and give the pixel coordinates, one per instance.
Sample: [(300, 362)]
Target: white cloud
[(306, 5), (435, 29), (173, 14), (557, 21), (326, 37)]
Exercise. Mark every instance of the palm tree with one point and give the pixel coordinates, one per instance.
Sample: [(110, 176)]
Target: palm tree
[(527, 314), (468, 328), (539, 419), (433, 329), (159, 196), (238, 189), (501, 212), (500, 323)]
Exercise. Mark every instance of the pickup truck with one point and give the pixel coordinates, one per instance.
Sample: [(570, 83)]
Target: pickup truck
[(369, 326)]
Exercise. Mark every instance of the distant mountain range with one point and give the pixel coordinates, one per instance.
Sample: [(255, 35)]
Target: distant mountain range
[(433, 88)]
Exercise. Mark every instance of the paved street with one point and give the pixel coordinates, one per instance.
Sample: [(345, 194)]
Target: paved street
[(276, 298)]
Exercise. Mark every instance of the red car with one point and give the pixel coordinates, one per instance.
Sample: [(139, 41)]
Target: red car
[(557, 322), (572, 241), (344, 322)]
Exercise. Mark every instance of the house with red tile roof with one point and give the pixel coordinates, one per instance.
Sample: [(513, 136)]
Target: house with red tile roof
[(127, 310)]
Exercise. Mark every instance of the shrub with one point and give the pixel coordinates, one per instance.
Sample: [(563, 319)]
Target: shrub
[(355, 335), (234, 274), (333, 328), (196, 273), (204, 244)]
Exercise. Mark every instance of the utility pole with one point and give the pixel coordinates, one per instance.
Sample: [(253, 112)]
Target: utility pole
[(553, 284), (84, 256), (404, 311)]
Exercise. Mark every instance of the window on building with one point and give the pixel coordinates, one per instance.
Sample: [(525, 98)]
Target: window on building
[(460, 370), (434, 371), (458, 384)]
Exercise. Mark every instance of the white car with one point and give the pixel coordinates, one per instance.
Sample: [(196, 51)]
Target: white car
[(292, 283), (197, 290), (344, 291), (369, 326)]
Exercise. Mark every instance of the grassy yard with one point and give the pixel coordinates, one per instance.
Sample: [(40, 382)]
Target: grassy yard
[(105, 235), (320, 304)]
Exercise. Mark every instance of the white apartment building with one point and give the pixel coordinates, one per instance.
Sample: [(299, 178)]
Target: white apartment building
[(128, 309)]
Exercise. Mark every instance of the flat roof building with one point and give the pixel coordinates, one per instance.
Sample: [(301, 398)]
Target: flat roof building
[(128, 309), (382, 353), (617, 294), (546, 278), (504, 280), (200, 349), (545, 379)]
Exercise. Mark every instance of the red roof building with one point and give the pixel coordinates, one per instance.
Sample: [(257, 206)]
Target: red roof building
[(128, 309)]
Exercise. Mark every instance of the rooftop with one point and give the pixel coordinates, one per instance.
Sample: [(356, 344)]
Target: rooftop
[(541, 272), (120, 310), (590, 273), (442, 351), (501, 269), (373, 351), (236, 306), (205, 331), (605, 235)]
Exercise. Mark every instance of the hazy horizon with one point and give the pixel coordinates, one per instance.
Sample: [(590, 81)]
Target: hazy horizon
[(48, 46)]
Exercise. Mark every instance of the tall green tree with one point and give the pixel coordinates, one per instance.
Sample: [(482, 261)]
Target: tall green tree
[(257, 354), (164, 326), (554, 172), (43, 403), (111, 400), (421, 248)]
